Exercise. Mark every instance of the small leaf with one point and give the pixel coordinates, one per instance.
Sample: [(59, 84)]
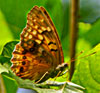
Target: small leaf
[(8, 48), (6, 56), (4, 59), (3, 69)]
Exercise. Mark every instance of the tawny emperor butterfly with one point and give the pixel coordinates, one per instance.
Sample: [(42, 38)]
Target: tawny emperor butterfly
[(39, 50)]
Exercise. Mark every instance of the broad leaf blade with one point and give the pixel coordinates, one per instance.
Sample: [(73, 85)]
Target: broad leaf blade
[(87, 72)]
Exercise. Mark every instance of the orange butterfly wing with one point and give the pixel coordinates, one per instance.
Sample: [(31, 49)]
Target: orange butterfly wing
[(39, 49)]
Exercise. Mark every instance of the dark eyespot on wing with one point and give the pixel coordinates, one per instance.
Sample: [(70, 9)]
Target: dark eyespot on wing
[(51, 43), (21, 69), (23, 63), (54, 49), (24, 52), (31, 49), (24, 57)]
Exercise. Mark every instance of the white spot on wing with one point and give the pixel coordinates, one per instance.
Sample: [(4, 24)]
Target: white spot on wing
[(38, 41), (40, 37), (34, 32), (26, 34), (35, 26), (48, 29), (30, 36), (43, 28)]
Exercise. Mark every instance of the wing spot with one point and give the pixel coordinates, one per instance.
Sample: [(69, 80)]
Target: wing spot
[(26, 34), (43, 28), (40, 37), (38, 41), (40, 31), (48, 29), (54, 50), (25, 39), (34, 20), (21, 69), (25, 45), (40, 61), (29, 42), (31, 49), (34, 32), (33, 15), (31, 23), (24, 57), (30, 36), (51, 43), (24, 52), (23, 63), (29, 30), (44, 53), (42, 20), (36, 26)]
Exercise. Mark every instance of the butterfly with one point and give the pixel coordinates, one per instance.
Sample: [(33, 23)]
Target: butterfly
[(39, 52)]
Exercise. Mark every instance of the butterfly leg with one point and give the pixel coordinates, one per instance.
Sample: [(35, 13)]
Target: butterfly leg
[(42, 77), (60, 69), (64, 73), (58, 74)]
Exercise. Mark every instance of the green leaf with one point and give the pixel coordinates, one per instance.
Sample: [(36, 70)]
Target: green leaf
[(8, 49), (6, 56), (4, 59), (87, 73), (45, 88)]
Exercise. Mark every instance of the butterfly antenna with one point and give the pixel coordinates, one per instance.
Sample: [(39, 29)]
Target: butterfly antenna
[(72, 60)]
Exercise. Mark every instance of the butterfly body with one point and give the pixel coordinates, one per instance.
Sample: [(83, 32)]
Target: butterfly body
[(39, 50)]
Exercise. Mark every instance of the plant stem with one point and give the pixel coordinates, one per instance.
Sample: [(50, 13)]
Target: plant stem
[(2, 87), (73, 33)]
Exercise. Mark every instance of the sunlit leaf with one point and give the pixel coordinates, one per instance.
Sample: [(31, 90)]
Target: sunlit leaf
[(87, 73)]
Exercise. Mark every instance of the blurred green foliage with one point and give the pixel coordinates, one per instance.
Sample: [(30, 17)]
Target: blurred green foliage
[(13, 17)]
